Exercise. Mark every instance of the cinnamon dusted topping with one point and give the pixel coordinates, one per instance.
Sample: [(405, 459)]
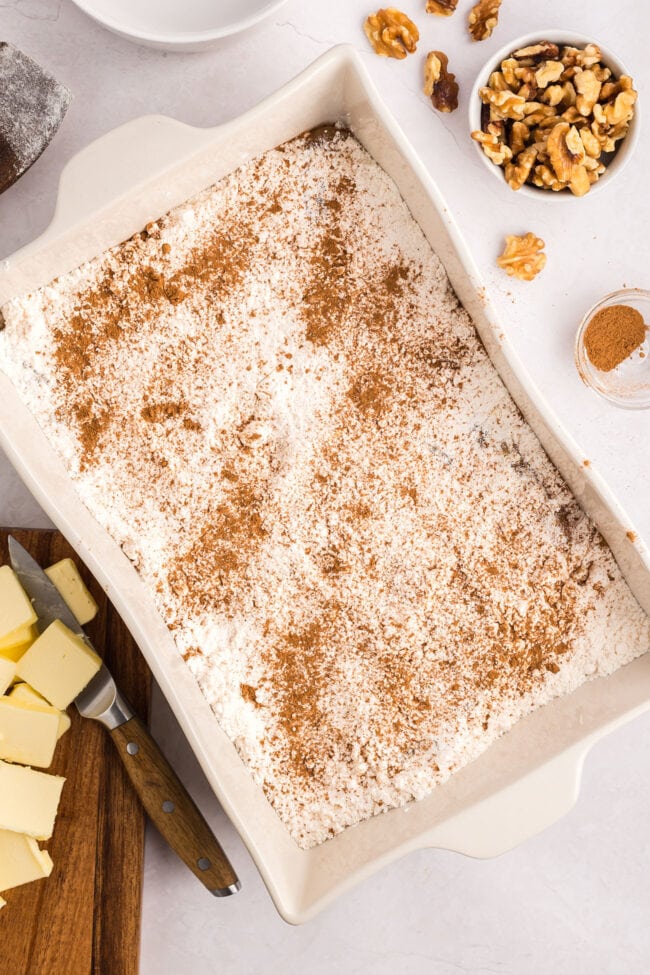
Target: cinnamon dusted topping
[(290, 425)]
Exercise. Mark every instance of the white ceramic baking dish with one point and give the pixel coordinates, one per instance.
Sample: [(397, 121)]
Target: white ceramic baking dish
[(530, 777)]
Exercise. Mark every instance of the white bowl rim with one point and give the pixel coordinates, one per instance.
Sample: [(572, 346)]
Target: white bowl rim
[(179, 37), (556, 35)]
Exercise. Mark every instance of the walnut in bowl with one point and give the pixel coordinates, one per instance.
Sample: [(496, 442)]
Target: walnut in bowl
[(554, 111)]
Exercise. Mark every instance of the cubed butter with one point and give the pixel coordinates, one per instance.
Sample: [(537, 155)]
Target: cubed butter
[(26, 735), (20, 645), (31, 699), (66, 578), (7, 673), (3, 903), (21, 861), (19, 638), (16, 610), (58, 665), (28, 800)]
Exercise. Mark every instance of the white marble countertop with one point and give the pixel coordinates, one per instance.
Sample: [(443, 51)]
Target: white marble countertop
[(573, 900)]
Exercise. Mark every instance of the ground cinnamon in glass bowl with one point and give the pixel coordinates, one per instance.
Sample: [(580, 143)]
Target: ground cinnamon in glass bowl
[(612, 350)]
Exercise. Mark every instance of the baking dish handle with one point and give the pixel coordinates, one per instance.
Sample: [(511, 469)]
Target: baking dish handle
[(500, 822), (131, 148)]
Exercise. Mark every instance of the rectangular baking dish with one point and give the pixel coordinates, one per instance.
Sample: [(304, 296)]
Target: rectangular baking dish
[(530, 777)]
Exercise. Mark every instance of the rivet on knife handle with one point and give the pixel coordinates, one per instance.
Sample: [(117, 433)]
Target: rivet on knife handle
[(172, 810)]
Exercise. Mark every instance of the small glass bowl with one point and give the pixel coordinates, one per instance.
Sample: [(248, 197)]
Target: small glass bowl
[(628, 385)]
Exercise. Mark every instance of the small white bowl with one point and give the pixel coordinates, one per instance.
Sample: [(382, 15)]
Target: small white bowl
[(177, 25), (559, 37)]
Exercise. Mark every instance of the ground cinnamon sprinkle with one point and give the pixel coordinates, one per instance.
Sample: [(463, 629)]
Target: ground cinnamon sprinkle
[(612, 335)]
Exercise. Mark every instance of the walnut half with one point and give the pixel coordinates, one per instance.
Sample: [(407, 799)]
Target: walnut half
[(522, 256), (483, 18), (444, 8), (391, 33), (565, 151), (439, 83)]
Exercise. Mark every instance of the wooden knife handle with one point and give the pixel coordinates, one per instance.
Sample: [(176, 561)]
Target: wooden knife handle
[(171, 808)]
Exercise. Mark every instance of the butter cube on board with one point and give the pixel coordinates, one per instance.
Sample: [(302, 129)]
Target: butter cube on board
[(27, 736), (28, 800), (65, 576), (7, 673), (21, 640), (3, 903), (58, 665), (21, 861), (16, 610), (30, 699)]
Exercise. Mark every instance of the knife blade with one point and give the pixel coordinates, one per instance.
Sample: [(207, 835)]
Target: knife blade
[(49, 604), (163, 795)]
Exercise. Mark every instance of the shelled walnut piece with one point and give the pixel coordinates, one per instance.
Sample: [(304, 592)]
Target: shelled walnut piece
[(444, 8), (483, 18), (522, 256), (391, 33), (553, 116), (440, 84)]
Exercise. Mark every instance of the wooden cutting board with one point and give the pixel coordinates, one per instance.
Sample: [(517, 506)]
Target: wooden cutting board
[(85, 918)]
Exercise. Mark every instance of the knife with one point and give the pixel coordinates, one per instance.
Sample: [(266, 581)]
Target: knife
[(161, 792)]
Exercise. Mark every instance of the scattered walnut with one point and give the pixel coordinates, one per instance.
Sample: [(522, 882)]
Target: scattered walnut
[(544, 51), (588, 56), (444, 8), (517, 172), (569, 74), (545, 178), (614, 135), (560, 111), (573, 116), (588, 88), (508, 70), (593, 165), (553, 95), (505, 104), (601, 72), (565, 150), (528, 89), (622, 109), (391, 33), (579, 184), (590, 142), (569, 96), (548, 72), (497, 82), (483, 18), (594, 174), (518, 137), (522, 256), (535, 113), (612, 88), (496, 150), (569, 55), (439, 83)]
